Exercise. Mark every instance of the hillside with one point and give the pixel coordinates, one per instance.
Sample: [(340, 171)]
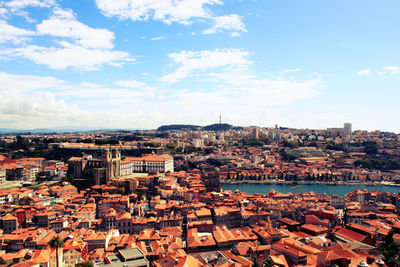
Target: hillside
[(178, 127), (218, 127), (185, 127)]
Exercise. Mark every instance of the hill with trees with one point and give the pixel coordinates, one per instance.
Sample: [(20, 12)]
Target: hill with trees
[(178, 127), (186, 127)]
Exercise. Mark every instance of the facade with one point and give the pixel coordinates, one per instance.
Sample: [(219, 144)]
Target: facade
[(2, 175), (9, 223), (15, 173), (99, 171), (334, 132), (347, 128), (87, 170), (111, 162), (147, 164)]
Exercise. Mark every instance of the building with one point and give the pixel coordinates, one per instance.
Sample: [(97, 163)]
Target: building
[(126, 257), (9, 223), (87, 170), (148, 164), (74, 251), (119, 204), (256, 133), (347, 128), (15, 173), (334, 132), (2, 175)]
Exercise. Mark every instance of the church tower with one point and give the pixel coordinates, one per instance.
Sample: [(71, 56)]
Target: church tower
[(116, 163), (106, 158)]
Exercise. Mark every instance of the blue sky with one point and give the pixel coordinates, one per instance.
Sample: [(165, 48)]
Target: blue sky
[(139, 64)]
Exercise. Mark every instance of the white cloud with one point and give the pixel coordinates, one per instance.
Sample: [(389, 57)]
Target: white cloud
[(16, 7), (130, 83), (69, 55), (391, 69), (9, 33), (248, 89), (365, 72), (76, 45), (3, 12), (16, 82), (27, 102), (234, 89), (159, 38), (194, 61), (33, 101), (292, 70), (21, 4), (384, 71), (167, 11), (30, 101), (232, 22), (63, 23)]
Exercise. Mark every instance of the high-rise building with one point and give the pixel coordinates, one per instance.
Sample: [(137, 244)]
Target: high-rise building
[(347, 128), (255, 133)]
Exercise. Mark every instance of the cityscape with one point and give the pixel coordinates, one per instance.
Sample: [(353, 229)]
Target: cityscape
[(185, 195), (199, 133)]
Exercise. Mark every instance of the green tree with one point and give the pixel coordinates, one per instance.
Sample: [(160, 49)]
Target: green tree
[(152, 144), (370, 148), (84, 264), (171, 146), (291, 144), (56, 243)]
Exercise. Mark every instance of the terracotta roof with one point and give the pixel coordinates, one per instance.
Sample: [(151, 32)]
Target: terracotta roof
[(9, 217), (348, 234)]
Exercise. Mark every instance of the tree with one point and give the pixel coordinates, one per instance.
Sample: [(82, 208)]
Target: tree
[(84, 264), (170, 146), (370, 148), (56, 243)]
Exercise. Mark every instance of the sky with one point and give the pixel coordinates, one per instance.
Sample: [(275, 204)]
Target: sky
[(139, 64)]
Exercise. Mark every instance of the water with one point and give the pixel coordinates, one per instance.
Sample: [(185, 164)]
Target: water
[(340, 190)]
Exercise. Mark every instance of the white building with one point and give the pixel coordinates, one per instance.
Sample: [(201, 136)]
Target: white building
[(147, 164)]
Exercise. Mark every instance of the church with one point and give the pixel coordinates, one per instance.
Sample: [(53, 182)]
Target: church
[(87, 170)]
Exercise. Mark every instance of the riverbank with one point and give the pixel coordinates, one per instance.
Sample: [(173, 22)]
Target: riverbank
[(282, 182)]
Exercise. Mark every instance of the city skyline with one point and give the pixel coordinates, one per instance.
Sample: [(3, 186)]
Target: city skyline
[(136, 65)]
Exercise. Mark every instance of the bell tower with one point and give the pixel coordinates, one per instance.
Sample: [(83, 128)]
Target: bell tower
[(116, 163), (106, 158)]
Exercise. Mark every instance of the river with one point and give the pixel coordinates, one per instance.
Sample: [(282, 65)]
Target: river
[(340, 190)]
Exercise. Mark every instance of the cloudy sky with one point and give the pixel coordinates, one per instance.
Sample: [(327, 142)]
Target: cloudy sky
[(138, 64)]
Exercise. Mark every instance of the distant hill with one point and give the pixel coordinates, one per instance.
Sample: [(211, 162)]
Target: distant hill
[(218, 127), (178, 127), (52, 130), (186, 127)]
